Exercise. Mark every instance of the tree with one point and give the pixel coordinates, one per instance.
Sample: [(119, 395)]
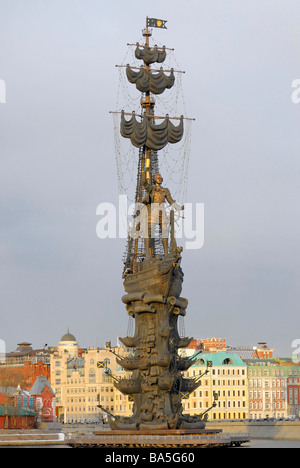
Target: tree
[(10, 379)]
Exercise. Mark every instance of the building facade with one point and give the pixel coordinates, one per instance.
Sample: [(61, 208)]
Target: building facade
[(261, 351), (212, 345), (227, 376), (45, 401), (293, 395), (84, 379), (12, 417), (268, 387), (24, 365)]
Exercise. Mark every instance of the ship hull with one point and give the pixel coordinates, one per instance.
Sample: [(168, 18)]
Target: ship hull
[(156, 383), (156, 277)]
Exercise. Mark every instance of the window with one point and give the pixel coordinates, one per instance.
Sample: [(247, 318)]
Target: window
[(200, 362), (92, 376), (228, 362)]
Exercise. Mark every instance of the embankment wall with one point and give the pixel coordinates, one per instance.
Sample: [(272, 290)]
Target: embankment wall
[(281, 430)]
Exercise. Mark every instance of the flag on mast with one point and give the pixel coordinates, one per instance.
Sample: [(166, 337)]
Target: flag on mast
[(156, 23)]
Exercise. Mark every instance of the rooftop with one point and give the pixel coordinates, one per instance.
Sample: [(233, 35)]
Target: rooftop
[(39, 385), (68, 337), (219, 359)]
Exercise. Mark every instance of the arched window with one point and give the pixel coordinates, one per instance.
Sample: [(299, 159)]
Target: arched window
[(107, 375), (200, 362), (228, 362), (92, 376)]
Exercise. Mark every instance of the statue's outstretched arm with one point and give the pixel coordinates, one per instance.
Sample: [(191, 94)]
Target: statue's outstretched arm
[(173, 202)]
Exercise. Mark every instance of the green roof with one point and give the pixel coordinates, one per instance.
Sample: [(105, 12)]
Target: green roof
[(15, 411), (219, 359)]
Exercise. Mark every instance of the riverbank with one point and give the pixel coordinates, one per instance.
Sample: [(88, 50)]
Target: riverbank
[(283, 434), (271, 444), (30, 437), (262, 430)]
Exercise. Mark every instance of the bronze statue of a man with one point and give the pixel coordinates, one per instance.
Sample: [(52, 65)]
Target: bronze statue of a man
[(155, 201)]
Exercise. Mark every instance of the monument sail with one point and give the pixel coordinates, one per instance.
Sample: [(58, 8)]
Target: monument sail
[(152, 275), (152, 136)]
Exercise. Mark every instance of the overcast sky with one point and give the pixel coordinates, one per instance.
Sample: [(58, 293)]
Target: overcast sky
[(57, 58)]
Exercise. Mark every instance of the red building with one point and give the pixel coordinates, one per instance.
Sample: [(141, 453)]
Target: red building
[(40, 399), (12, 417), (213, 345), (44, 398), (262, 351), (3, 399), (209, 345), (293, 394), (24, 365)]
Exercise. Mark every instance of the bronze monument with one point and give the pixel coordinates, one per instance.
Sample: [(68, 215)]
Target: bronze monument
[(152, 274)]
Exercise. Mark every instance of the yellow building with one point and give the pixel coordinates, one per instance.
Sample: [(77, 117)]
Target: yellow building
[(227, 376), (82, 379)]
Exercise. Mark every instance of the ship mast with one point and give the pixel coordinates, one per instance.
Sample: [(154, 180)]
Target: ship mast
[(149, 137), (148, 105)]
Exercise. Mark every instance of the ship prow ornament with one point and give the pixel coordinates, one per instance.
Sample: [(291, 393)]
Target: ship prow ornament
[(152, 275)]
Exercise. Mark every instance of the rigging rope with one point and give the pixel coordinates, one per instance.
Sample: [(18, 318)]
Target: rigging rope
[(172, 162)]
